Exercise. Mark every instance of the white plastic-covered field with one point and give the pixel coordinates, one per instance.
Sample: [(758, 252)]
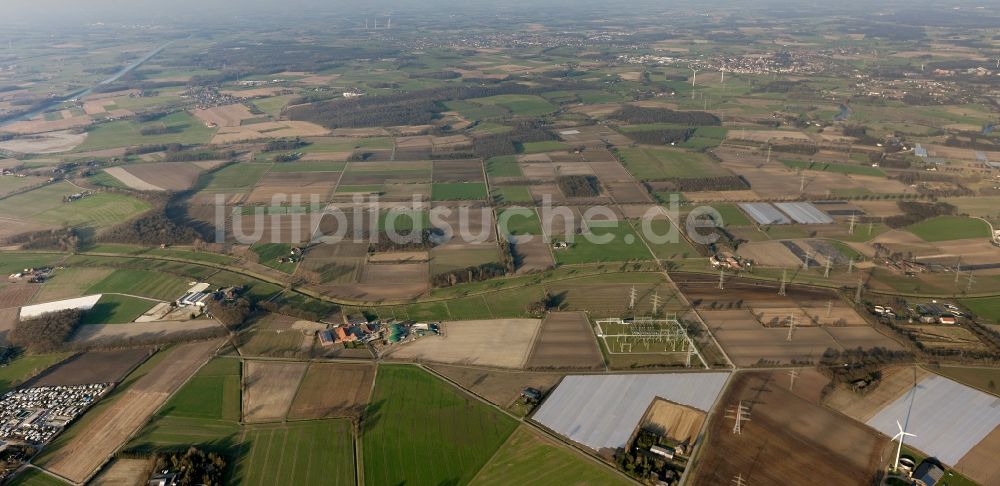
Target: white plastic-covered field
[(765, 213), (804, 213), (601, 411), (81, 303), (948, 417)]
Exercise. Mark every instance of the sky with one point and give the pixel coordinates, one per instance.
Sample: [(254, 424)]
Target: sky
[(54, 12)]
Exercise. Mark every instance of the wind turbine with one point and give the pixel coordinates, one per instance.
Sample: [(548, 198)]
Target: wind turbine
[(694, 78), (900, 437)]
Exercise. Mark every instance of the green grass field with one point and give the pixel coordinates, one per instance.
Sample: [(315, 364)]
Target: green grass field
[(273, 105), (236, 176), (312, 452), (520, 105), (512, 195), (529, 458), (475, 111), (11, 184), (403, 219), (155, 285), (205, 412), (731, 215), (45, 205), (648, 164), (503, 166), (468, 308), (865, 170), (309, 167), (212, 393), (415, 420), (947, 228), (521, 221), (661, 229), (35, 477), (268, 254), (458, 191), (183, 128), (67, 283), (26, 366), (986, 309), (443, 261), (116, 309), (11, 262), (625, 245)]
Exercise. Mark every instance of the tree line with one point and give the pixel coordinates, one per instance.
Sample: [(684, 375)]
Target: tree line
[(641, 115)]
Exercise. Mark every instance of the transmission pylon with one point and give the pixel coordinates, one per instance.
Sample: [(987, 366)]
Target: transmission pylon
[(784, 280), (850, 266), (829, 265), (656, 302), (722, 279), (791, 327), (739, 481), (972, 280), (854, 220), (958, 270), (861, 286), (631, 298), (805, 263), (792, 375), (829, 309), (740, 413)]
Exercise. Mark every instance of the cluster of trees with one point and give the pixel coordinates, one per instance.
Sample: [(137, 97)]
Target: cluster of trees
[(412, 108), (408, 241), (636, 462), (292, 157), (436, 75), (148, 149), (636, 115), (47, 332), (915, 212), (858, 368), (157, 129), (716, 183), (784, 86), (194, 155), (231, 314), (548, 302), (153, 228), (193, 467), (796, 148), (64, 239), (522, 131), (665, 136), (477, 273), (279, 56), (579, 185), (285, 144)]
